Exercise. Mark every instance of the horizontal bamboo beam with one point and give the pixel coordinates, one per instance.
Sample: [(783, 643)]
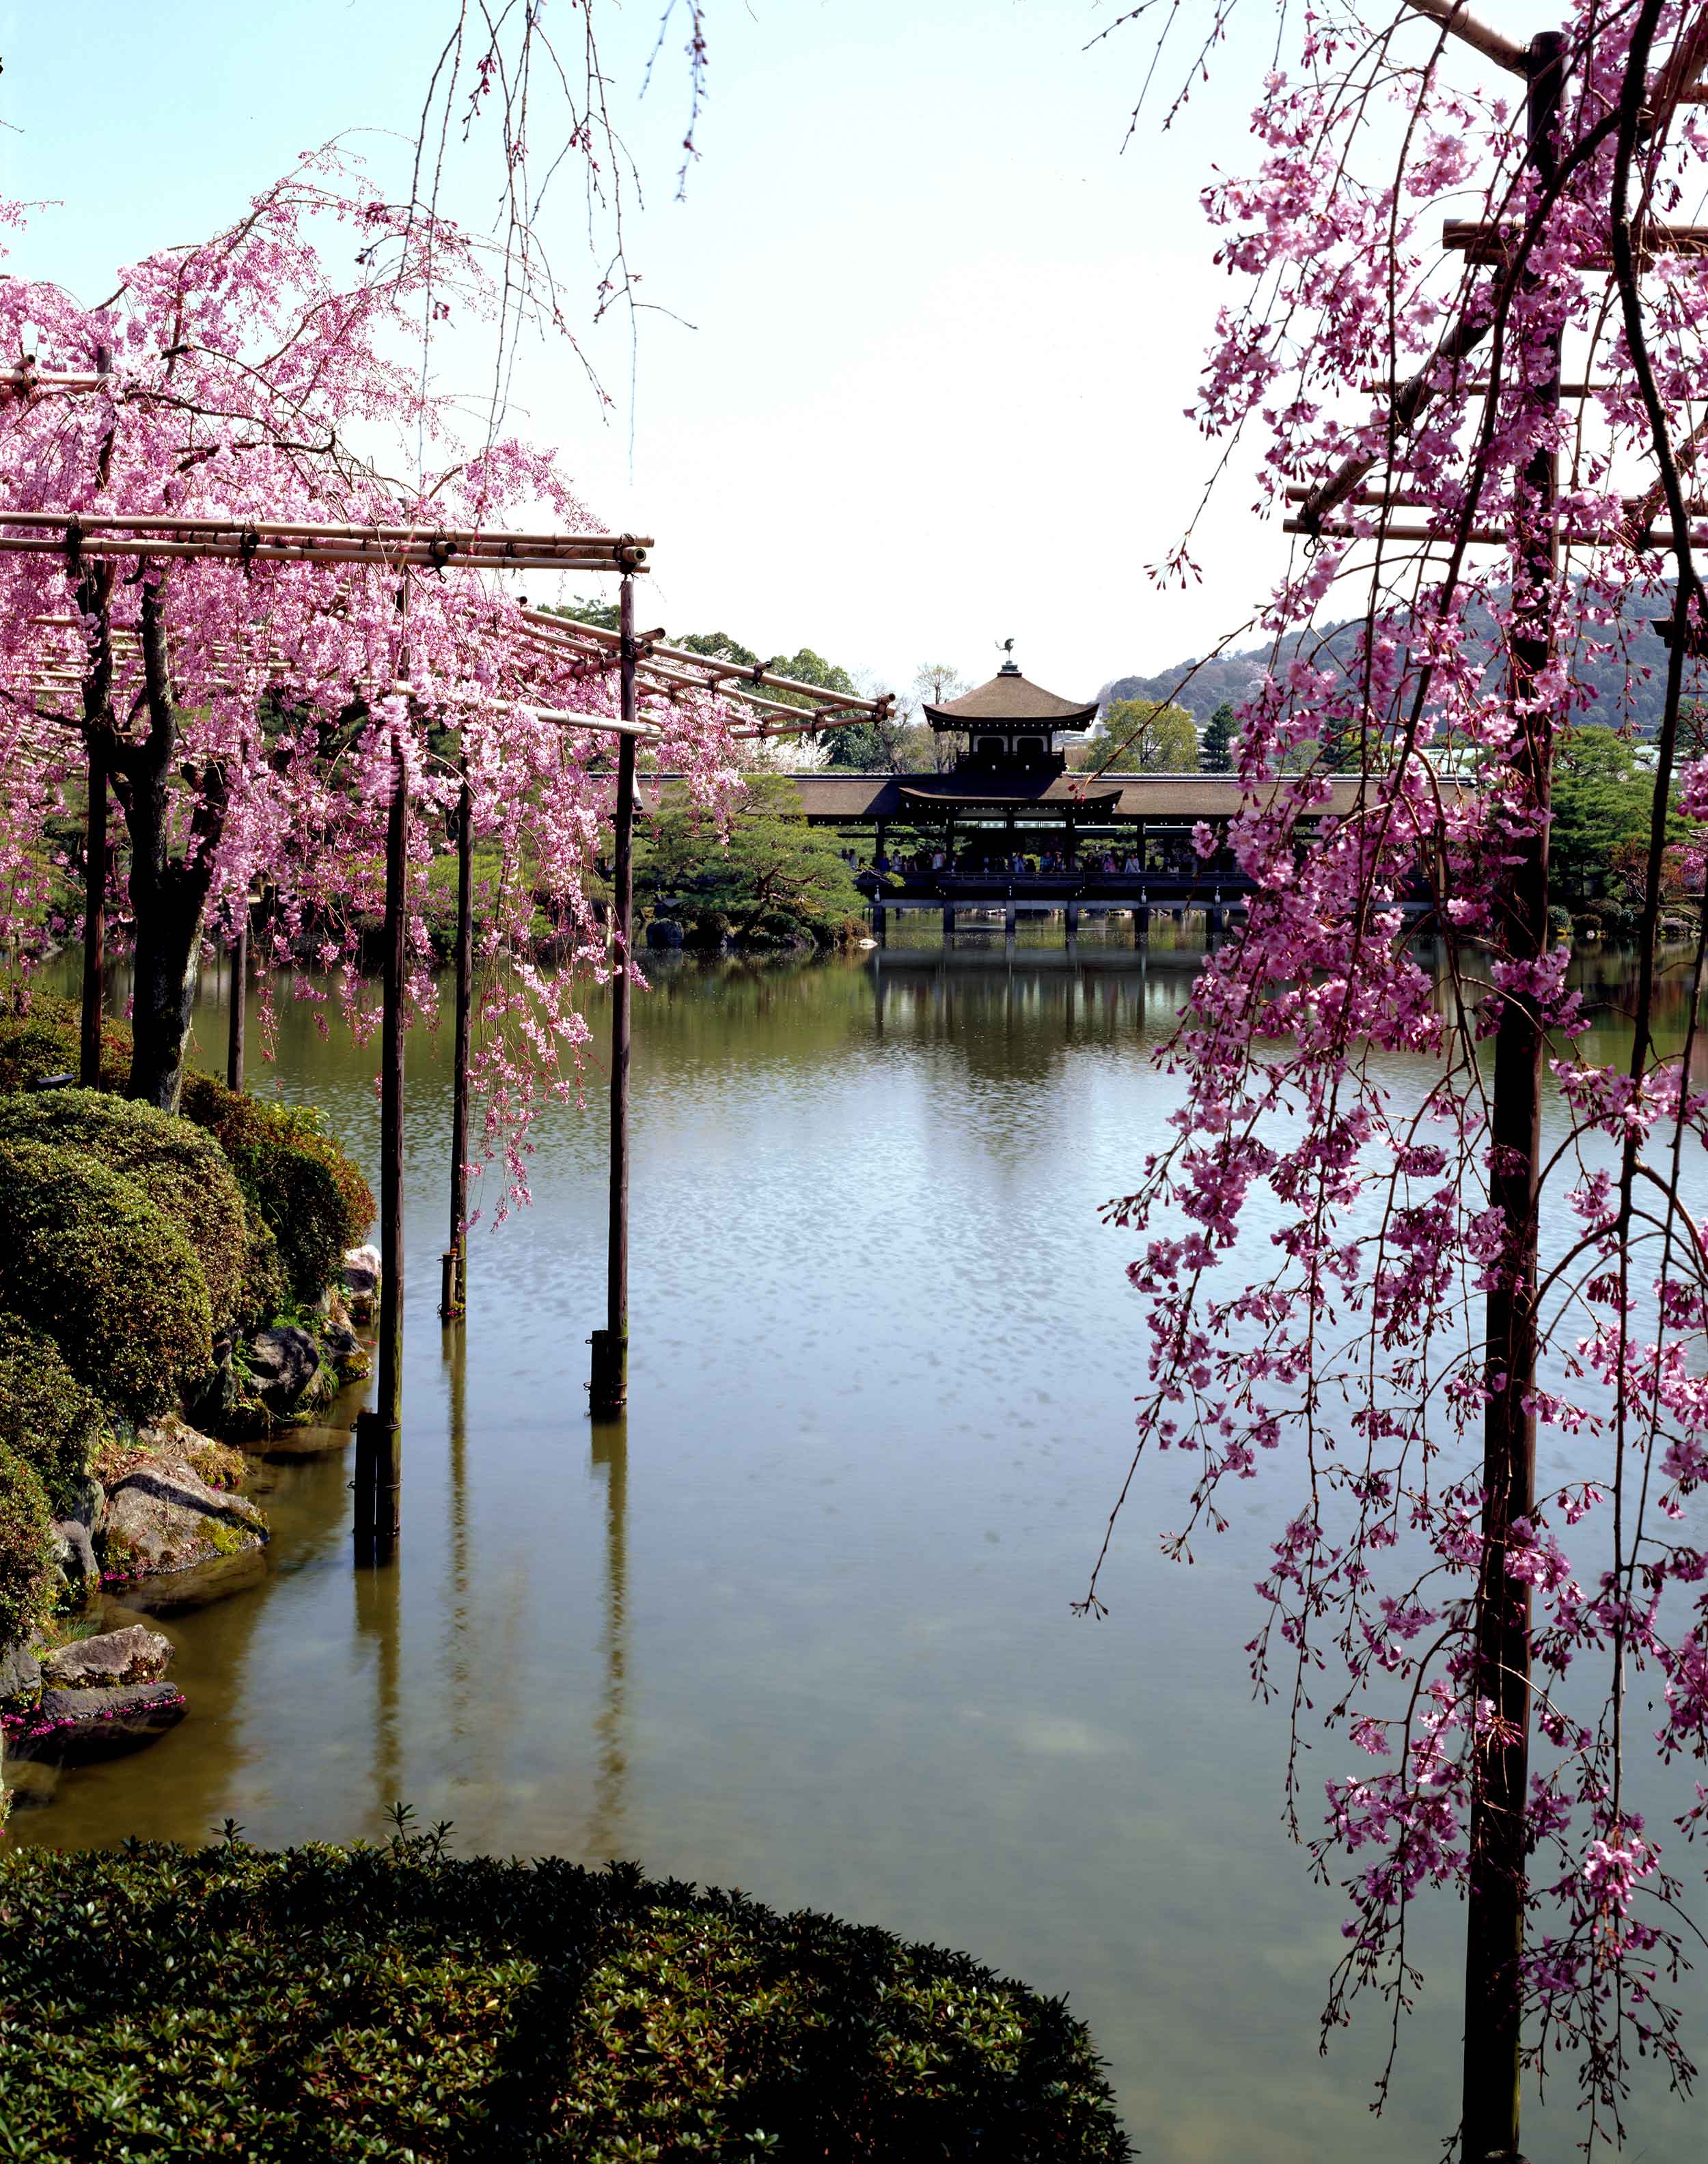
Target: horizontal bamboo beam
[(711, 666), (390, 556), (1485, 243), (462, 536), (1498, 535), (1451, 16)]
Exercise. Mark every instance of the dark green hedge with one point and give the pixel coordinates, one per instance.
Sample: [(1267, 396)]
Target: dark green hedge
[(86, 1256), (363, 2005), (307, 1191), (26, 1559), (182, 1171), (306, 1202), (46, 1415)]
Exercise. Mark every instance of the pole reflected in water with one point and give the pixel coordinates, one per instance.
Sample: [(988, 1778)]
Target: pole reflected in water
[(378, 1592), (610, 1456)]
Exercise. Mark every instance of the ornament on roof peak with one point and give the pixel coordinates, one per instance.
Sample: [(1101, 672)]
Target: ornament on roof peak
[(1009, 667)]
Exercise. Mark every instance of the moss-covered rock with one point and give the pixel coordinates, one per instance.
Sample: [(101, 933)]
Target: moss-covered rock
[(88, 1257), (391, 2003), (180, 1168), (47, 1417), (26, 1549)]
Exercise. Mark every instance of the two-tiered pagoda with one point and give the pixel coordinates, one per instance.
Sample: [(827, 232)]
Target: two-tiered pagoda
[(1010, 725)]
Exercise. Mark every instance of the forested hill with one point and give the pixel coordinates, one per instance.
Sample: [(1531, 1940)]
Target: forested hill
[(1623, 694)]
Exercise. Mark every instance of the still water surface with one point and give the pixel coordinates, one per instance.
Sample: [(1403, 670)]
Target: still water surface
[(800, 1624)]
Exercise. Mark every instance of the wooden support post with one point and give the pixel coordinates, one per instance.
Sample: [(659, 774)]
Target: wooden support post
[(1073, 917), (454, 1269), (608, 1386), (1140, 927), (881, 923), (1497, 1860), (94, 921), (948, 921), (1008, 919), (240, 1001), (379, 1431)]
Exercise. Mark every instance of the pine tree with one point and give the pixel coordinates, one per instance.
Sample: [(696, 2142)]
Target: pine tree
[(1217, 756)]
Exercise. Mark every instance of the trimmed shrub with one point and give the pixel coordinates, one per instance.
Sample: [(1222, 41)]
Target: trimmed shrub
[(181, 1169), (46, 1416), (390, 2002), (306, 1190), (26, 1549), (86, 1257), (307, 1202), (41, 1035)]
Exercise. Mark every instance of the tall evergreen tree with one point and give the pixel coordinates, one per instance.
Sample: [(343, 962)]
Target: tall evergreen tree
[(1215, 753)]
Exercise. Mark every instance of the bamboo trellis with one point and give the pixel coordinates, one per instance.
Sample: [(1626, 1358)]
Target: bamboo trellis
[(1494, 1925)]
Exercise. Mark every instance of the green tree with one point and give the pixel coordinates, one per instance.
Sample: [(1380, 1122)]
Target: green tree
[(602, 615), (773, 875), (1217, 757), (1144, 738), (1603, 799)]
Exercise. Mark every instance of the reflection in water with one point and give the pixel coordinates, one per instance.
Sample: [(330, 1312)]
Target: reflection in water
[(818, 1646), (610, 1455), (377, 1588), (459, 1618)]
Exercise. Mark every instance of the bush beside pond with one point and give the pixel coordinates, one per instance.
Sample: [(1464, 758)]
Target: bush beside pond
[(47, 1417), (182, 1171), (26, 1549), (394, 2003), (86, 1256)]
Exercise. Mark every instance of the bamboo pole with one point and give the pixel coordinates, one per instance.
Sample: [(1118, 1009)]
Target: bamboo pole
[(724, 671), (378, 1431), (454, 1286), (458, 536), (1497, 1854), (393, 555), (608, 1386), (239, 1000), (94, 921)]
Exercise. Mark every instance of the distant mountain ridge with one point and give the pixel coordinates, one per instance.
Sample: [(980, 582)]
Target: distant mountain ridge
[(1622, 694)]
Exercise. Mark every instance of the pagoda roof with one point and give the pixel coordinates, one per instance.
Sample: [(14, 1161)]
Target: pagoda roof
[(1009, 701)]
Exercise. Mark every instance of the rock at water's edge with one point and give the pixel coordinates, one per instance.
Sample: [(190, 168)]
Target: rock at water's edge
[(163, 1516), (285, 1362), (74, 1555), (20, 1678), (137, 1655), (664, 932)]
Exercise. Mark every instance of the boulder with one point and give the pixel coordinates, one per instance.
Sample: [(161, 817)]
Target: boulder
[(20, 1678), (285, 1363), (76, 1726), (347, 1354), (74, 1555), (361, 1278), (664, 932), (137, 1655), (164, 1516), (89, 1502)]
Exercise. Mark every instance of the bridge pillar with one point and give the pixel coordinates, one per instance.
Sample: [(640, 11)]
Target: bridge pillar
[(1009, 924), (1073, 917), (948, 921), (881, 923), (1216, 921), (1141, 927)]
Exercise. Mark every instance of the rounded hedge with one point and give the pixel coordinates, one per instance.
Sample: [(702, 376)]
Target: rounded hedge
[(86, 1257), (46, 1415), (181, 1169), (313, 1198), (26, 1549), (390, 2002)]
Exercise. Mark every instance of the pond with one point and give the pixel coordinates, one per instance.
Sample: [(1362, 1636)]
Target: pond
[(800, 1624)]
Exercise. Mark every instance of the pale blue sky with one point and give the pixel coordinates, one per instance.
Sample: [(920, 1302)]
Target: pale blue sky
[(944, 329)]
